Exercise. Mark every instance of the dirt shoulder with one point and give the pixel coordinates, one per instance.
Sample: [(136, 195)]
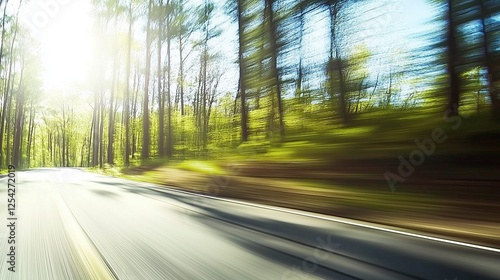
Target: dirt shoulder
[(459, 203)]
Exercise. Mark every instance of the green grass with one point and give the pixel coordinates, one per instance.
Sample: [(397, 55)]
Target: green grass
[(205, 167), (107, 170)]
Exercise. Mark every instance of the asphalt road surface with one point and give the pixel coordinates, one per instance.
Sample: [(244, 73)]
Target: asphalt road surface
[(77, 225)]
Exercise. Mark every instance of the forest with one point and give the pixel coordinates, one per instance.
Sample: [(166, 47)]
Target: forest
[(287, 79)]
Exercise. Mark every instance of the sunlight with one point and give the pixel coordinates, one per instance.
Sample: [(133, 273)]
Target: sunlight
[(66, 47)]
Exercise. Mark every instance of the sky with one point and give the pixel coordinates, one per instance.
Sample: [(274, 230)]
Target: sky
[(62, 28)]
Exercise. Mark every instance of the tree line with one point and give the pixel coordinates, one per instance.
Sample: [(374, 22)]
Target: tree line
[(154, 86)]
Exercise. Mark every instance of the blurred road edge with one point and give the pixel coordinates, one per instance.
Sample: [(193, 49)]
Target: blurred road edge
[(92, 260)]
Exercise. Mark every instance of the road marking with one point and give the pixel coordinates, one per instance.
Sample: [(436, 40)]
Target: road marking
[(311, 215), (91, 258), (332, 219)]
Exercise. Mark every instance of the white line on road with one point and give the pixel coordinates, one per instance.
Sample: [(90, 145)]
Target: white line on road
[(311, 215), (86, 249), (338, 220)]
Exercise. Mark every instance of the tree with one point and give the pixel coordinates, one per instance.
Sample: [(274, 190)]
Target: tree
[(241, 63), (126, 114), (336, 64), (452, 59), (145, 111), (169, 15), (117, 10), (7, 96), (275, 76), (160, 18), (490, 29)]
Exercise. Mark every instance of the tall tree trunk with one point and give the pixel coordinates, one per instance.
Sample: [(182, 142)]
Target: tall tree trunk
[(204, 93), (3, 29), (8, 121), (242, 82), (101, 129), (145, 120), (181, 74), (454, 77), (135, 108), (82, 152), (127, 88), (213, 93), (1, 59), (111, 120), (49, 144), (494, 93), (112, 110), (19, 120), (68, 154), (5, 108), (161, 93), (170, 144), (18, 130), (63, 147), (95, 131), (336, 67), (31, 128), (18, 125), (276, 83), (89, 148), (300, 74), (63, 136)]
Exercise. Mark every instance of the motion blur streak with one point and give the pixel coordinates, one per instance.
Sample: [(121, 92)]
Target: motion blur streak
[(77, 225)]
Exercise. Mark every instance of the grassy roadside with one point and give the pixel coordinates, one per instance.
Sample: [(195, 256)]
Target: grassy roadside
[(421, 204)]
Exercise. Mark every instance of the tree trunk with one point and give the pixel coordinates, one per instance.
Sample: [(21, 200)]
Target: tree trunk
[(495, 102), (127, 88), (170, 144), (181, 75), (9, 109), (242, 82), (82, 152), (5, 108), (111, 119), (276, 83), (101, 129), (95, 131), (336, 64), (300, 74), (145, 119), (31, 128), (161, 93), (135, 106), (18, 129), (5, 91), (454, 77)]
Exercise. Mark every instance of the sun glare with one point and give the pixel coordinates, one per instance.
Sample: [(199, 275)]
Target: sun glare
[(66, 47)]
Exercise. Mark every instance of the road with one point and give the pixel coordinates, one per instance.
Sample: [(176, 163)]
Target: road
[(77, 225)]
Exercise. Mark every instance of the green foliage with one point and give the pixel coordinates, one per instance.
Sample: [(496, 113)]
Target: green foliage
[(331, 102), (205, 167)]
